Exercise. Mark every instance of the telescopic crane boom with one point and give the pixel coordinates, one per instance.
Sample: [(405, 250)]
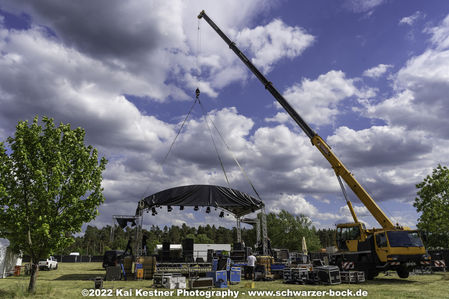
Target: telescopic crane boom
[(317, 141)]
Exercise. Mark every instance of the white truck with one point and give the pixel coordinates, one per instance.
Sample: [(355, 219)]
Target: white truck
[(48, 264)]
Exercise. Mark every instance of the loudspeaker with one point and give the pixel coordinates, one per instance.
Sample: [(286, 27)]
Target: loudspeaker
[(187, 245), (238, 246), (165, 246), (210, 255)]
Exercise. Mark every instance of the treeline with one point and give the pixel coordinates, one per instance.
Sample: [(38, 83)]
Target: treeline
[(284, 230)]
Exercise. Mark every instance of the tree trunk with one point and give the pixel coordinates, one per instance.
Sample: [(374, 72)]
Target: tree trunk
[(34, 270)]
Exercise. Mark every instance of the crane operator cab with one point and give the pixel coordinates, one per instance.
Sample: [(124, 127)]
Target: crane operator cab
[(349, 235)]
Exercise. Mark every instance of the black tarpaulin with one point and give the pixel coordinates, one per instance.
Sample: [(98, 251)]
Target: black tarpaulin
[(234, 201), (123, 222)]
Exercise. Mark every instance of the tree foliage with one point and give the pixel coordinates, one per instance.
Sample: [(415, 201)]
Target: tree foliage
[(287, 230), (281, 227), (433, 204), (327, 237), (50, 185)]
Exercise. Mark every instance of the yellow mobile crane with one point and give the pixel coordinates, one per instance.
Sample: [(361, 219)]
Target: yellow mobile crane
[(391, 247)]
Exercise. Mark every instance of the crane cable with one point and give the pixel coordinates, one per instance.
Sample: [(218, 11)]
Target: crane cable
[(182, 125), (232, 153), (176, 137), (346, 197), (213, 142)]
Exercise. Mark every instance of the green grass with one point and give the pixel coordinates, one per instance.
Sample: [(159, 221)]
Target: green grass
[(70, 278)]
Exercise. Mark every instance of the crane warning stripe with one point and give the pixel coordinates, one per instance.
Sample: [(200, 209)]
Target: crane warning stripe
[(347, 265)]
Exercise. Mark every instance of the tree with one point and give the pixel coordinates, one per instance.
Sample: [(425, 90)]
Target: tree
[(327, 237), (286, 231), (50, 185), (433, 204), (200, 238), (174, 235)]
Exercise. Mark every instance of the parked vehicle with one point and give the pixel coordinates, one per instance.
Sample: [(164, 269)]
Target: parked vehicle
[(49, 264)]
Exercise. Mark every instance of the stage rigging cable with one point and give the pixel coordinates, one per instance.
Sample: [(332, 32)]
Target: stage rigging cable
[(207, 119)]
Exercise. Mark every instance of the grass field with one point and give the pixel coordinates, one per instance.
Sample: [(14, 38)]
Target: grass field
[(71, 278)]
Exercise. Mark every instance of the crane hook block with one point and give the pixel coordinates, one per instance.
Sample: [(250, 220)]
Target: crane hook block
[(197, 92)]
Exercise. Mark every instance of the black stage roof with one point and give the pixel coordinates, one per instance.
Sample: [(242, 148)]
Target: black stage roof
[(234, 201)]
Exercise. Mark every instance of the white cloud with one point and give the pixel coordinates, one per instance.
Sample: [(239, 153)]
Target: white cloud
[(410, 20), (272, 42), (149, 48), (295, 204), (377, 71), (440, 34), (361, 6), (280, 117), (360, 211), (317, 100), (282, 146), (422, 85), (379, 145), (69, 86)]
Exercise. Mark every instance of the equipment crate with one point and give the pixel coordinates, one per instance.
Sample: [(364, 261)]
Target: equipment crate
[(327, 274), (348, 276)]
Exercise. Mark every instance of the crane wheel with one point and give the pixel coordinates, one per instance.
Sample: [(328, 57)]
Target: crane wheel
[(369, 273), (403, 272)]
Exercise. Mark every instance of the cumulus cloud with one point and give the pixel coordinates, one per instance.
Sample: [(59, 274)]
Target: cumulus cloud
[(422, 85), (298, 205), (72, 87), (377, 71), (295, 204), (280, 117), (379, 145), (156, 40), (360, 211), (317, 100), (388, 160), (274, 41)]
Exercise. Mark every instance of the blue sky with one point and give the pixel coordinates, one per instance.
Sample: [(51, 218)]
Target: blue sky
[(371, 77)]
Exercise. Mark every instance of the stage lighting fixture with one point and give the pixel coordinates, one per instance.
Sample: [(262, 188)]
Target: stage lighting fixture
[(153, 211), (181, 208), (196, 208), (221, 214), (208, 210), (169, 209)]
